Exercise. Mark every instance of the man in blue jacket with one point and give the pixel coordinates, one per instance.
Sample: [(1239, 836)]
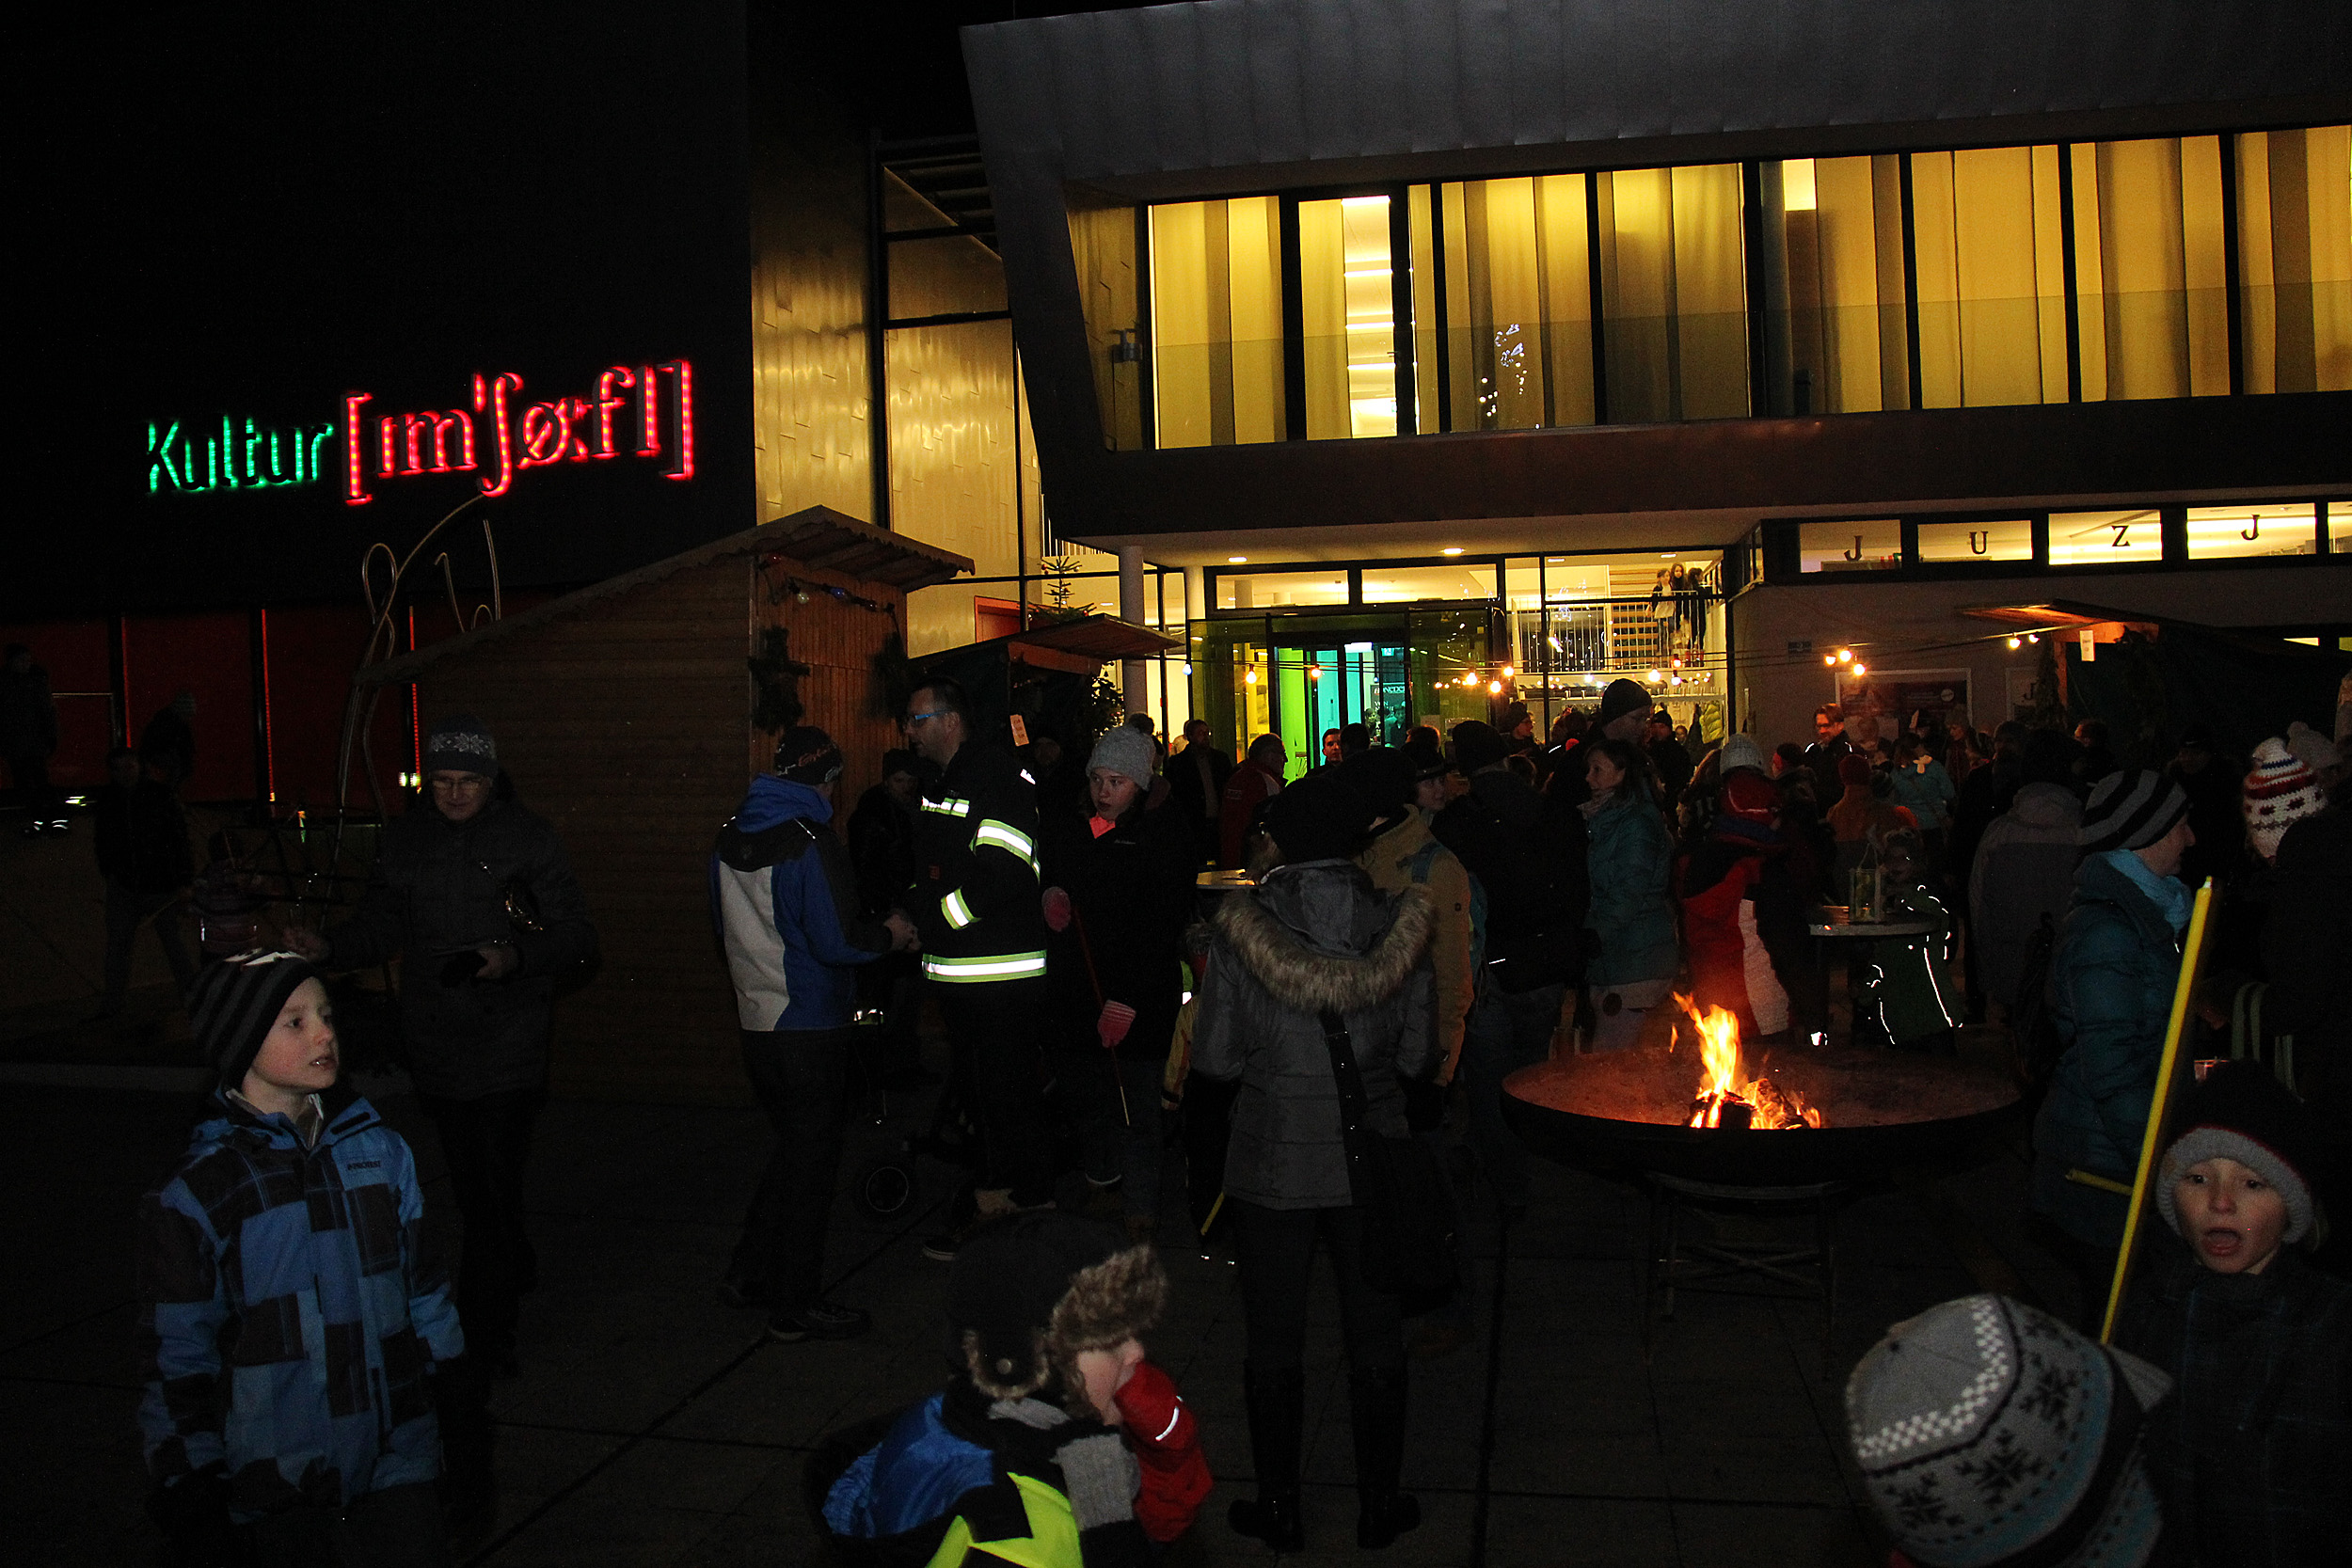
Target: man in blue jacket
[(785, 901)]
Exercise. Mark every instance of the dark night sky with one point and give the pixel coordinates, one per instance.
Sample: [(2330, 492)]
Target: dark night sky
[(254, 209)]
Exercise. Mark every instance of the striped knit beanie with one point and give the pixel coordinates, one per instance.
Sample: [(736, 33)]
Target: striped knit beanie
[(236, 1001), (2130, 811), (2280, 792), (1989, 1433)]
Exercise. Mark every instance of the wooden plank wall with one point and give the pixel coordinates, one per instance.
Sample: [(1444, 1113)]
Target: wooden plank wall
[(844, 691), (624, 726)]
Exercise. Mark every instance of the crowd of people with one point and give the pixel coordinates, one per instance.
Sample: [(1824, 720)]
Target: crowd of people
[(1415, 923)]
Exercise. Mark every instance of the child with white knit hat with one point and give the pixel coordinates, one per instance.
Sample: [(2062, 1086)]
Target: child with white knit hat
[(2281, 791)]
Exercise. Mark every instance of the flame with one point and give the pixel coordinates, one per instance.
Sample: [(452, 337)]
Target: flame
[(1720, 1085)]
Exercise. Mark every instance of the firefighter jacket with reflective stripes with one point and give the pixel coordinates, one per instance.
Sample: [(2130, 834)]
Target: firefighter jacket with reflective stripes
[(976, 888)]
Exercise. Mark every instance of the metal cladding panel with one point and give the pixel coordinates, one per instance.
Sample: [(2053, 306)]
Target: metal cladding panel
[(1233, 96)]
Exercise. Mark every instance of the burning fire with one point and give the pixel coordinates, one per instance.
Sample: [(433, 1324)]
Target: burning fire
[(1723, 1100)]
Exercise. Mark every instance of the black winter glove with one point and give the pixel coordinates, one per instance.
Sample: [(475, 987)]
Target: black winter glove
[(193, 1514), (1424, 1104)]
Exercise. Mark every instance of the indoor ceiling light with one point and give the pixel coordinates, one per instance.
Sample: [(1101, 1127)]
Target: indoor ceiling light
[(1235, 560), (1451, 549)]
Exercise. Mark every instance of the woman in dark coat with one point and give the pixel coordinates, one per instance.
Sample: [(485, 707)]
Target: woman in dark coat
[(1118, 877), (1315, 938)]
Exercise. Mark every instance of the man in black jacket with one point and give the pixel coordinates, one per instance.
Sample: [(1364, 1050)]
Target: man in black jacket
[(882, 847), (1527, 850), (975, 902), (1196, 777), (475, 892), (142, 845)]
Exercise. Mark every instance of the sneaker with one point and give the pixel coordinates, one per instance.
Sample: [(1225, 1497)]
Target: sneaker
[(819, 1320), (739, 1293), (941, 1247)]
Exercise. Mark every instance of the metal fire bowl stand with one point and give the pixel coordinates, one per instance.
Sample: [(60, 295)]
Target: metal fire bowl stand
[(1800, 1174)]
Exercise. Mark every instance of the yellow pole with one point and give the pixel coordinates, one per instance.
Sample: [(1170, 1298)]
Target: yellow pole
[(2151, 1142)]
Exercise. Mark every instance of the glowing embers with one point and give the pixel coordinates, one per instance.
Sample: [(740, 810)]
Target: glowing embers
[(1725, 1099), (517, 435), (235, 454)]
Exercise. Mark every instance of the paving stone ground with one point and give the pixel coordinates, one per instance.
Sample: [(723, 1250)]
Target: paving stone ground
[(653, 1426)]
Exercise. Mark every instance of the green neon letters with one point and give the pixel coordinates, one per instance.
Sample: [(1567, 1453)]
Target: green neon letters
[(232, 454)]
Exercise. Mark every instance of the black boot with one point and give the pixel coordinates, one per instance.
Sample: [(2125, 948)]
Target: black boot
[(1377, 1412), (1277, 1423)]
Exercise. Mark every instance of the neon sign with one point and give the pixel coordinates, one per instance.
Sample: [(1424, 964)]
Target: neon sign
[(646, 411), (239, 454)]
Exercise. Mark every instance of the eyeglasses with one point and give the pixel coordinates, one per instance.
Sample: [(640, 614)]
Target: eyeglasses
[(915, 718), (464, 784)]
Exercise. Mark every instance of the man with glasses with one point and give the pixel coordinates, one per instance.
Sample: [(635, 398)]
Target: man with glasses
[(473, 890), (976, 903)]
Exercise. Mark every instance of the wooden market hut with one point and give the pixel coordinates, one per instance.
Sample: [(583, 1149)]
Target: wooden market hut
[(628, 715)]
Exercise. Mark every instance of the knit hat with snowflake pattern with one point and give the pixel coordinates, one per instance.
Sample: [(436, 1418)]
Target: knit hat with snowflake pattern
[(1989, 1433)]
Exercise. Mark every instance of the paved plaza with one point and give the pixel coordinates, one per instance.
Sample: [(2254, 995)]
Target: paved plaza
[(653, 1426)]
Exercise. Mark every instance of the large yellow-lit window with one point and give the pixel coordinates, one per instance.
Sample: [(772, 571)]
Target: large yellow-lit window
[(1875, 544), (1674, 293), (1989, 254), (1216, 323), (1518, 303), (1976, 543), (2294, 259), (2148, 268), (1834, 281), (1347, 297)]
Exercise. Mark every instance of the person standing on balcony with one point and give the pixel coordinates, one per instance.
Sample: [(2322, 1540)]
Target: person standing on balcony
[(975, 902)]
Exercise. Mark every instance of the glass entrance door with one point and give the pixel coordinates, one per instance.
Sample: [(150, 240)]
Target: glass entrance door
[(1300, 675)]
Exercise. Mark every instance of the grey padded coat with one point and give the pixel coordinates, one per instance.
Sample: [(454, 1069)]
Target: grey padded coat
[(1312, 937)]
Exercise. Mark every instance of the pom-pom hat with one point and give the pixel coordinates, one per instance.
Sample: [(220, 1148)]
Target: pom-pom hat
[(1989, 1434), (2281, 791), (1125, 751), (806, 754)]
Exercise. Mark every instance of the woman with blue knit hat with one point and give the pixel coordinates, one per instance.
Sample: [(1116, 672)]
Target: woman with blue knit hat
[(293, 1324), (2110, 993)]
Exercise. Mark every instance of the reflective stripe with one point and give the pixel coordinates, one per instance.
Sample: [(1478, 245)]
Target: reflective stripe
[(1052, 1541), (948, 806), (1175, 1416), (1005, 837), (1005, 966), (958, 913)]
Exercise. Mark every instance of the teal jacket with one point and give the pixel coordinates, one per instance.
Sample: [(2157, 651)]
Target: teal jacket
[(1630, 858), (2110, 994)]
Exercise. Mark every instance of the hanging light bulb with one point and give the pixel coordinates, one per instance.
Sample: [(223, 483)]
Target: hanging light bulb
[(1831, 660), (1250, 679), (2016, 641), (1845, 656), (1509, 671), (1494, 689)]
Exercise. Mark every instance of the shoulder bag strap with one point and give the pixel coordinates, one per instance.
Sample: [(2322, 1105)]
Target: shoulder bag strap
[(1350, 1082)]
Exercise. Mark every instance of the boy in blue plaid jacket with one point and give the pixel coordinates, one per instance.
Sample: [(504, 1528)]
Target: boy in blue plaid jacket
[(291, 1315)]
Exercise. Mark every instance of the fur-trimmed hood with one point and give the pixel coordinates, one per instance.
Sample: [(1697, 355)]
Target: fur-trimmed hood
[(1320, 938)]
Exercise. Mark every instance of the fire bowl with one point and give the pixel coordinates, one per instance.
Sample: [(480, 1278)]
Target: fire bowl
[(1627, 1112)]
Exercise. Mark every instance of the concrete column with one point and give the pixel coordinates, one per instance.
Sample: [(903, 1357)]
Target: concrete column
[(1132, 677)]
